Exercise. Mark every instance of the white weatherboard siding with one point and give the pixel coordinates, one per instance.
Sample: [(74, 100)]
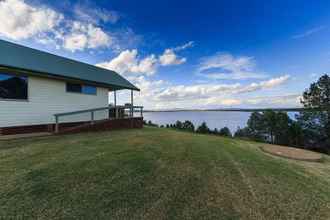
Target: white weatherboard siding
[(47, 97)]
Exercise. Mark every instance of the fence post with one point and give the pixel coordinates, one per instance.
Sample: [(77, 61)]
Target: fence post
[(132, 104), (115, 102), (56, 124), (92, 117)]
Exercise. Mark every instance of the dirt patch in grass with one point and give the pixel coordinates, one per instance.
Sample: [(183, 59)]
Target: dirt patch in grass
[(292, 153)]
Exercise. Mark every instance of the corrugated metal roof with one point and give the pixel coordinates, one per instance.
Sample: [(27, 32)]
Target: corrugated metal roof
[(50, 65)]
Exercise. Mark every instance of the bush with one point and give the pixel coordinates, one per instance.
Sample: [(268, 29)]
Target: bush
[(225, 132), (203, 129), (188, 126), (151, 124), (178, 124), (243, 132)]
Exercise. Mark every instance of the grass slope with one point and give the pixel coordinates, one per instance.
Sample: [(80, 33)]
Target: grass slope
[(156, 174)]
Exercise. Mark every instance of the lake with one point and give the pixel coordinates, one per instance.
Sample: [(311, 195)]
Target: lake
[(213, 119)]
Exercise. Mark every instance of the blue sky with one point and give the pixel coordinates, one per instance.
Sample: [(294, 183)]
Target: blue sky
[(186, 54)]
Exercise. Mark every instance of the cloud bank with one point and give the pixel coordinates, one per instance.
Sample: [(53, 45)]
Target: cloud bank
[(48, 26)]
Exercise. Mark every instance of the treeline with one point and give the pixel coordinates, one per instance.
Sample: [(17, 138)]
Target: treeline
[(189, 127)]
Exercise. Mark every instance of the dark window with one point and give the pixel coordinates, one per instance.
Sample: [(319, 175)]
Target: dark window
[(73, 87), (13, 87), (79, 88)]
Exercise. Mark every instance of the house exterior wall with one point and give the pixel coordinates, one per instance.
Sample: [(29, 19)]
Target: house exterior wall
[(47, 97)]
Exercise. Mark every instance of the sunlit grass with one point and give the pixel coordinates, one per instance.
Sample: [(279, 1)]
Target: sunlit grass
[(156, 174)]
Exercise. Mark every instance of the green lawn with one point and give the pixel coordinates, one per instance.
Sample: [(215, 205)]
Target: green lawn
[(156, 174)]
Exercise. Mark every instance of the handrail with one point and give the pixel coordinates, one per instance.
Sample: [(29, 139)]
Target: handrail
[(92, 110), (96, 109)]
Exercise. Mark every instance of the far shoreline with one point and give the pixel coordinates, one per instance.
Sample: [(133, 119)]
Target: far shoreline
[(298, 109)]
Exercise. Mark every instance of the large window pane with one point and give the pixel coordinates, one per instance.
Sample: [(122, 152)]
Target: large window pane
[(13, 87), (91, 90)]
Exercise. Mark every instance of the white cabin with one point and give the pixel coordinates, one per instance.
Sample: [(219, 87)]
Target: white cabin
[(34, 86)]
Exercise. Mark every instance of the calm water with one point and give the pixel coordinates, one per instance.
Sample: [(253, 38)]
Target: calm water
[(214, 119)]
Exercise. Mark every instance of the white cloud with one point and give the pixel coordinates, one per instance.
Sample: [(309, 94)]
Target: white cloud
[(75, 41), (123, 63), (145, 97), (128, 62), (222, 101), (201, 91), (149, 88), (170, 58), (92, 14), (226, 66), (185, 46), (264, 84), (160, 94), (49, 27), (309, 32), (182, 92), (146, 66), (228, 62), (236, 76), (274, 82), (286, 101), (82, 36), (20, 20)]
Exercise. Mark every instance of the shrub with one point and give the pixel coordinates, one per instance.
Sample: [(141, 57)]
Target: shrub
[(203, 128), (225, 132)]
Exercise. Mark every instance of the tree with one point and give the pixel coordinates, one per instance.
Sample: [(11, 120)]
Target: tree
[(269, 123), (256, 126), (188, 126), (152, 124), (295, 134), (203, 128), (225, 132), (178, 124), (269, 126), (316, 124), (281, 127), (243, 132)]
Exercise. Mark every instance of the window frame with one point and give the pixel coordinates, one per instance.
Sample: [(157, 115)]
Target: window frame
[(11, 73), (82, 85)]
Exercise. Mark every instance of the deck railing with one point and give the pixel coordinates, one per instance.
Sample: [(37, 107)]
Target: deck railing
[(112, 112)]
